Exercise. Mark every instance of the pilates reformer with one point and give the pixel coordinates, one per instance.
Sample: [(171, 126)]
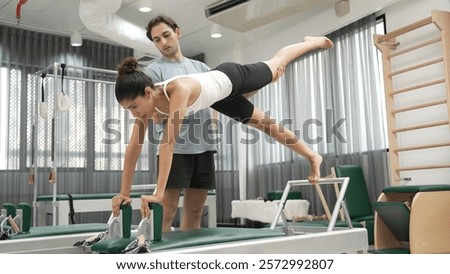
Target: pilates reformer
[(147, 238), (288, 238)]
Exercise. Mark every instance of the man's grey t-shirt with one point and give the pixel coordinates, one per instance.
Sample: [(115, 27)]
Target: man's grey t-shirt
[(196, 135)]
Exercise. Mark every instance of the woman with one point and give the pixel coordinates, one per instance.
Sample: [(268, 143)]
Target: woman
[(221, 88)]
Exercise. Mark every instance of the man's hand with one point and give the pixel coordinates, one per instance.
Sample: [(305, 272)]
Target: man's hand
[(117, 201)]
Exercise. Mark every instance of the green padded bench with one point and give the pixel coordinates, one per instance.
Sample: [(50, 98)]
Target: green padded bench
[(183, 239), (66, 236)]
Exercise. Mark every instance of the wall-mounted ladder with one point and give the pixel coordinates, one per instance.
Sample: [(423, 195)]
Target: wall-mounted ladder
[(417, 92)]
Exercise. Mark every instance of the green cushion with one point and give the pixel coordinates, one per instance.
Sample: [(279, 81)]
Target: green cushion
[(204, 236), (390, 251), (370, 226), (126, 220), (10, 209), (396, 217), (276, 195), (26, 216), (416, 188), (111, 246), (157, 214), (365, 219), (357, 197), (197, 237)]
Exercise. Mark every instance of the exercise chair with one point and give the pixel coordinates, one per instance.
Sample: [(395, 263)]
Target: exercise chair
[(357, 198)]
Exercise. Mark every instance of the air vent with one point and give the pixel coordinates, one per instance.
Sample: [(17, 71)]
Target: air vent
[(224, 5), (244, 15)]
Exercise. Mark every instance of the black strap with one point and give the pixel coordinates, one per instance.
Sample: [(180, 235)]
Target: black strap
[(63, 68), (71, 209), (3, 236), (42, 87)]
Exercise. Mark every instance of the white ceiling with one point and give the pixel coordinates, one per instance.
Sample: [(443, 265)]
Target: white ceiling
[(62, 17)]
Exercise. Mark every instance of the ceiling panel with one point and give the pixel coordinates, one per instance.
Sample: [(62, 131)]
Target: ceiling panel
[(61, 17)]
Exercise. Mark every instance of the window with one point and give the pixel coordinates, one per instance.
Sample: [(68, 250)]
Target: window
[(10, 89)]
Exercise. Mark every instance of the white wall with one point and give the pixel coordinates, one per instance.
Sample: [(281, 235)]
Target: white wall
[(261, 43)]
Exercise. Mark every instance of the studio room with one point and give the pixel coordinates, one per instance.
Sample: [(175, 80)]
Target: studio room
[(158, 127)]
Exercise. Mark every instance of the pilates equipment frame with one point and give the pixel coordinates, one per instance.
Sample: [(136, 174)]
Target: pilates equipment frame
[(388, 44), (340, 203), (53, 71)]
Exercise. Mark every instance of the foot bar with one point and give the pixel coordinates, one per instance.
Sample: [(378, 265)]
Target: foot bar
[(340, 199)]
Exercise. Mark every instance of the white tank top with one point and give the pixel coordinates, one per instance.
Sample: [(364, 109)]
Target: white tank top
[(215, 86)]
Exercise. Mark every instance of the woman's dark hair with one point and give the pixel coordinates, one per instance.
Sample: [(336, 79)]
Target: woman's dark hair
[(158, 20), (131, 82)]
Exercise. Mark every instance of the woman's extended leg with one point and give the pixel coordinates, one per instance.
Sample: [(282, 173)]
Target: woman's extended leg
[(284, 56), (286, 137)]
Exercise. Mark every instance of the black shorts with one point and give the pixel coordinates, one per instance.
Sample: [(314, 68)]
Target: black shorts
[(192, 170), (245, 79)]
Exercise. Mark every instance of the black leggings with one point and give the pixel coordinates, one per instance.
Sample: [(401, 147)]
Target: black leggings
[(245, 79)]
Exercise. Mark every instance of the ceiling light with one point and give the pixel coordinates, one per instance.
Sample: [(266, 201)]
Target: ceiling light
[(145, 6), (215, 31), (75, 39)]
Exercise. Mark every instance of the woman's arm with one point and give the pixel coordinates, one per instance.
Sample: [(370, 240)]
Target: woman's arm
[(132, 153), (179, 97)]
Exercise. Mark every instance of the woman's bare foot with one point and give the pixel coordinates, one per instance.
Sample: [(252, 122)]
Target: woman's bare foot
[(319, 42), (314, 175)]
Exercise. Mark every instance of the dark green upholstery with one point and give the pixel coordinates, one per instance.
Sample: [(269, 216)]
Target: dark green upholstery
[(416, 188), (26, 216), (126, 220), (157, 213), (112, 245), (396, 216), (357, 197), (390, 251), (10, 209), (197, 237), (277, 194), (205, 236)]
